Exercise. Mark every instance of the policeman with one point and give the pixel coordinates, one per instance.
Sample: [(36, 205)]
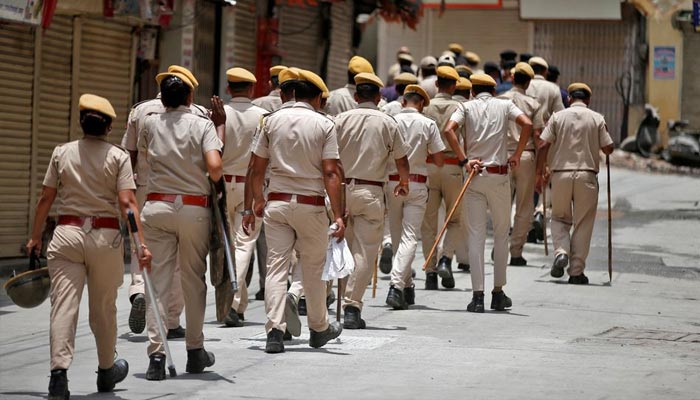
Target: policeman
[(462, 94), (301, 147), (404, 63), (343, 99), (486, 129), (463, 90), (272, 101), (242, 118), (575, 137), (552, 76), (137, 316), (428, 75), (473, 61), (94, 184), (464, 71), (547, 93), (402, 80), (523, 177), (458, 51), (443, 185), (422, 136), (366, 139), (182, 148)]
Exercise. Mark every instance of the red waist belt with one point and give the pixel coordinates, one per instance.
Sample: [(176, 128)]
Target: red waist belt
[(497, 169), (448, 160), (96, 222), (411, 177), (364, 182), (301, 199), (188, 200), (238, 178)]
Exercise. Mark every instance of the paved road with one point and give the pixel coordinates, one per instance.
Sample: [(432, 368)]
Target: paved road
[(636, 338)]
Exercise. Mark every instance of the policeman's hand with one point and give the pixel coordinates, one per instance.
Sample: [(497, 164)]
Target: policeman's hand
[(514, 161), (401, 189), (539, 183), (145, 259), (259, 208), (248, 224), (34, 246), (475, 164), (340, 232), (218, 115)]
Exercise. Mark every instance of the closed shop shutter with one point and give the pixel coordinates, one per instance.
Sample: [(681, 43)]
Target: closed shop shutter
[(341, 43), (105, 68), (690, 100), (245, 44), (299, 34), (16, 81), (204, 51)]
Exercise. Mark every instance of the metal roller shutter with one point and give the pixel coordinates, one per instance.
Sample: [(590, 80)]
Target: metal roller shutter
[(245, 27), (204, 44), (299, 37), (341, 43), (105, 67), (16, 80), (690, 100)]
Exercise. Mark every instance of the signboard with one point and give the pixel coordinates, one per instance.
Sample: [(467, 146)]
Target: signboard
[(664, 62), (27, 11), (571, 9), (464, 4)]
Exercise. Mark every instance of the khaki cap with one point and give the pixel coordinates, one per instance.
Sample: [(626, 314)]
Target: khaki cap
[(464, 84), (238, 74), (275, 71), (464, 68), (524, 68), (186, 72), (368, 78), (405, 57), (288, 74), (428, 62), (579, 86), (313, 79), (482, 80), (447, 72), (405, 78), (183, 77), (456, 48), (538, 61), (359, 64), (97, 103), (472, 57), (325, 95), (418, 90)]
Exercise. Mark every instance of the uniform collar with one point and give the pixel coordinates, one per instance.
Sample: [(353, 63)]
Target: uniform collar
[(180, 109), (517, 89), (240, 100), (540, 77), (483, 95), (443, 96), (408, 110), (274, 93), (367, 104), (578, 104), (301, 104), (350, 87)]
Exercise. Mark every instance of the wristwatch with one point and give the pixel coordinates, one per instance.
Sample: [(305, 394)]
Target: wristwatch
[(463, 162), (246, 212)]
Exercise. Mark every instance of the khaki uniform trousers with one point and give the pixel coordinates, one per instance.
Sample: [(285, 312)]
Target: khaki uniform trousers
[(177, 234), (522, 182), (244, 244), (77, 255), (443, 184), (175, 301), (574, 202), (405, 218), (364, 236), (488, 192), (290, 226)]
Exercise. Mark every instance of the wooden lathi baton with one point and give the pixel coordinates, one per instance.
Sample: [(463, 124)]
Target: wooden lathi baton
[(544, 216), (607, 165), (449, 217)]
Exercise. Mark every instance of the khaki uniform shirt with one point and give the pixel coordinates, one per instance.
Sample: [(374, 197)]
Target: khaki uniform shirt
[(341, 100), (422, 136), (89, 173), (175, 143), (296, 139), (531, 108), (486, 127), (440, 110), (459, 98), (366, 138), (548, 94), (577, 134), (394, 107), (271, 102), (136, 116), (242, 118), (428, 84)]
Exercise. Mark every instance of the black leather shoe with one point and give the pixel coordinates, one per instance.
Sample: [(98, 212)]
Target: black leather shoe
[(538, 225), (518, 261), (560, 262), (431, 281), (532, 236), (156, 367), (444, 269), (319, 339), (198, 359), (385, 259), (233, 319), (395, 298), (302, 306), (275, 342), (107, 378), (413, 273), (58, 385), (499, 301), (330, 299), (287, 336), (353, 318), (176, 333), (493, 252), (477, 304), (291, 316), (260, 295), (137, 316), (578, 280), (463, 267), (409, 295)]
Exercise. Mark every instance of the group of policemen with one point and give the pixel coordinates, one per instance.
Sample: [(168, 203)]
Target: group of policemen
[(303, 166)]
